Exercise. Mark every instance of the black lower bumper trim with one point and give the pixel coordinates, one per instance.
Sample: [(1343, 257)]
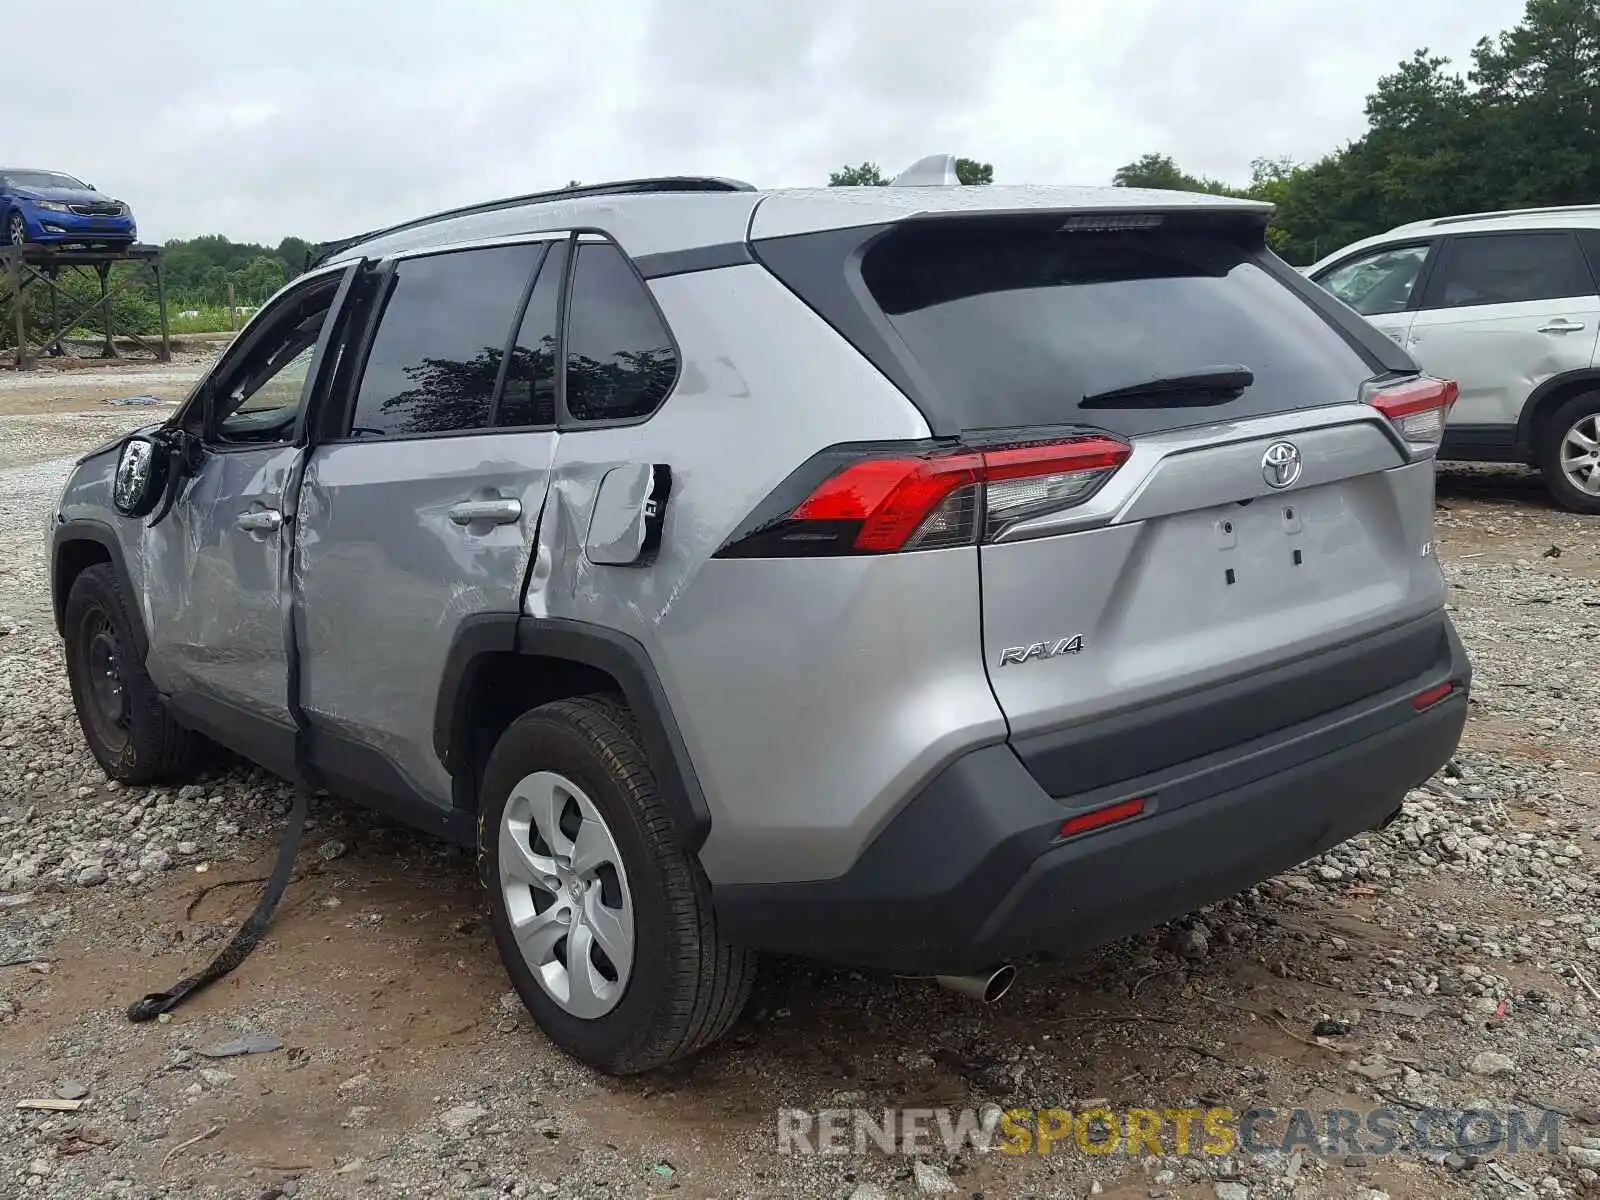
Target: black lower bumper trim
[(971, 871)]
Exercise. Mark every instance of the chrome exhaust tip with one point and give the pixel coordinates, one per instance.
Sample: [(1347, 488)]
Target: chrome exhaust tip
[(985, 988)]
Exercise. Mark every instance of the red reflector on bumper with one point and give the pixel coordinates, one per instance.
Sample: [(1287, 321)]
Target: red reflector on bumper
[(1109, 815), (1432, 696)]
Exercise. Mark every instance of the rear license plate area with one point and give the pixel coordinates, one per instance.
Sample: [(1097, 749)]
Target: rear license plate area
[(1259, 543)]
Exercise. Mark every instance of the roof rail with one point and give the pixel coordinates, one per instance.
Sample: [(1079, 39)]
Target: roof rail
[(665, 183), (1507, 212)]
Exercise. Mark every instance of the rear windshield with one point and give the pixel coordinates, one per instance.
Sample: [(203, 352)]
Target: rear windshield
[(1016, 323)]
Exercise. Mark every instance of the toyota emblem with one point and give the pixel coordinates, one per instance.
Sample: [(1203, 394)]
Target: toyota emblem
[(1281, 465)]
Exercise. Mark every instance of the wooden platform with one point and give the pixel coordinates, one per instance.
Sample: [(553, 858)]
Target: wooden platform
[(34, 264)]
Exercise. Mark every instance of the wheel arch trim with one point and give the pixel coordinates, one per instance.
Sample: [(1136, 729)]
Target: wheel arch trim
[(1539, 400), (617, 655), (84, 530)]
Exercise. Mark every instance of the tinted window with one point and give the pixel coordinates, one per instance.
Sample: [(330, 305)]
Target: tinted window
[(1016, 322), (1377, 283), (620, 361), (530, 391), (437, 352), (1591, 245), (1509, 268)]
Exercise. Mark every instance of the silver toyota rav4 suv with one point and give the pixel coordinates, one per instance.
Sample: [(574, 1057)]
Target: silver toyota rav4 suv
[(913, 577)]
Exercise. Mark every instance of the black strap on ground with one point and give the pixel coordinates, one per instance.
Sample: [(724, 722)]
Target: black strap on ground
[(244, 941)]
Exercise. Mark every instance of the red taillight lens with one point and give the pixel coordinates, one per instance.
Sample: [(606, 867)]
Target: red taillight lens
[(891, 497), (924, 502), (1417, 408), (1098, 818), (1432, 696)]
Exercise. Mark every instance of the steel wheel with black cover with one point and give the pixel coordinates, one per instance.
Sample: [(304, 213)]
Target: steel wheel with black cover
[(129, 731)]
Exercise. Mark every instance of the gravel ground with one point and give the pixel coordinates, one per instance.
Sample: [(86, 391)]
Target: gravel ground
[(1450, 960)]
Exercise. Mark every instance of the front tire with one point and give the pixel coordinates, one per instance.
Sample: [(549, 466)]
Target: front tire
[(17, 230), (1569, 454), (129, 731), (601, 914)]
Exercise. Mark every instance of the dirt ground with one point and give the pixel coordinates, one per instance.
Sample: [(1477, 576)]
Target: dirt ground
[(379, 978)]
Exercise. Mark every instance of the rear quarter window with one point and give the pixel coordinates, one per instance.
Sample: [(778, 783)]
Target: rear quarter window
[(1016, 323), (621, 361)]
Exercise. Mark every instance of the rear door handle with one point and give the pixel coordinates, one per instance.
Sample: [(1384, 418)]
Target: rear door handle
[(499, 512), (259, 520), (1561, 325)]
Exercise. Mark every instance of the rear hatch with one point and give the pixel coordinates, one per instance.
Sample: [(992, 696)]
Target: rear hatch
[(1252, 504)]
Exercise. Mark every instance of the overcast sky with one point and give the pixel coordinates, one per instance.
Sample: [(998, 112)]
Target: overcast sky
[(326, 118)]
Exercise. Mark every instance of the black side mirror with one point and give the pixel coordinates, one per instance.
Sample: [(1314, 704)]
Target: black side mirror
[(141, 479)]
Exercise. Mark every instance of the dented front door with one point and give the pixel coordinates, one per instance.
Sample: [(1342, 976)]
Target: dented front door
[(213, 564)]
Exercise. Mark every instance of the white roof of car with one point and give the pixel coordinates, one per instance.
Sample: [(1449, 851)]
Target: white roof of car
[(806, 210), (658, 222), (1567, 217)]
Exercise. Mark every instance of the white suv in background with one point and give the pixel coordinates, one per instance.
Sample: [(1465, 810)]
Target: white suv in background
[(1506, 304)]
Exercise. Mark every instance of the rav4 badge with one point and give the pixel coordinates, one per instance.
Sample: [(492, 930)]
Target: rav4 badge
[(1015, 656)]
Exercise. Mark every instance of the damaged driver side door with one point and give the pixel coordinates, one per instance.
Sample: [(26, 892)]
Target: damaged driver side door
[(215, 563)]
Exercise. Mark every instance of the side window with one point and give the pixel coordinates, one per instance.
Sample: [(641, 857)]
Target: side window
[(257, 398), (443, 331), (530, 390), (1377, 283), (1509, 268), (1591, 246), (620, 359)]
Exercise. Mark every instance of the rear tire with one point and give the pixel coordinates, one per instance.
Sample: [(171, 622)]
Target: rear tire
[(1569, 454), (683, 985), (128, 729)]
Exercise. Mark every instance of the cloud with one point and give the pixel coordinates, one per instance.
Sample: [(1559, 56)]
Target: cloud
[(326, 119)]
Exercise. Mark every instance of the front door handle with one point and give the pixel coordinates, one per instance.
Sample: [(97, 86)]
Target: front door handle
[(259, 520), (500, 512), (1561, 325)]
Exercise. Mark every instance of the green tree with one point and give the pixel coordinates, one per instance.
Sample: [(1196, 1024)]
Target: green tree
[(1159, 171), (1538, 88), (292, 252), (1518, 130), (869, 174), (974, 173), (259, 279), (866, 175)]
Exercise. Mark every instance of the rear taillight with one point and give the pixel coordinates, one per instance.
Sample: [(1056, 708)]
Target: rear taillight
[(882, 502), (1417, 408)]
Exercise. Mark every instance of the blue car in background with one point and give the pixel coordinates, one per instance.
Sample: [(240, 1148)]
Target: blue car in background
[(52, 208)]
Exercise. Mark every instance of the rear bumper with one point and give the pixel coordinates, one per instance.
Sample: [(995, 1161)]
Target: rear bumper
[(972, 872)]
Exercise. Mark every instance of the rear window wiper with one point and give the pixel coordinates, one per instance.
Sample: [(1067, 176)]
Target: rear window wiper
[(1207, 385)]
